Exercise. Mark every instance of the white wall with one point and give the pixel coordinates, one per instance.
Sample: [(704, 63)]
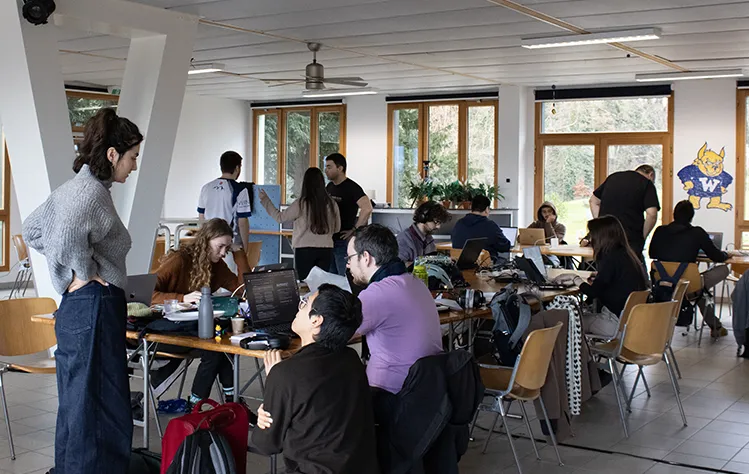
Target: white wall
[(7, 278), (705, 111), (207, 128), (366, 143)]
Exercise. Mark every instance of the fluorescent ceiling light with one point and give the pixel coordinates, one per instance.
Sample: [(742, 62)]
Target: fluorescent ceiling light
[(337, 92), (683, 76), (618, 36), (205, 68)]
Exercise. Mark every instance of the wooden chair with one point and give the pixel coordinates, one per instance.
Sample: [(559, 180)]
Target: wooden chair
[(25, 274), (20, 338), (522, 383), (679, 294), (643, 343)]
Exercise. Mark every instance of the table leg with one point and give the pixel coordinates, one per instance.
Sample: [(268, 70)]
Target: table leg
[(470, 336), (236, 378), (146, 392)]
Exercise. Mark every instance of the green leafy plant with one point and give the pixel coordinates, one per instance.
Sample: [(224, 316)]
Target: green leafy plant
[(454, 192), (422, 190)]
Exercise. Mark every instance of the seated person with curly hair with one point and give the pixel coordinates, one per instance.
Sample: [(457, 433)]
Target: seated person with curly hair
[(417, 240)]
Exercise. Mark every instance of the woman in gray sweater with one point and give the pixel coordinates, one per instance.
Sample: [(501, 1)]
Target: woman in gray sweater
[(316, 219), (79, 232)]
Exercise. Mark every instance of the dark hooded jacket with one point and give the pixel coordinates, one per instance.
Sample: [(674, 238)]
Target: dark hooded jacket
[(677, 242), (474, 226), (550, 230)]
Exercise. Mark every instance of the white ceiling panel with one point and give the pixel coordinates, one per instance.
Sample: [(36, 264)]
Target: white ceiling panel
[(413, 45)]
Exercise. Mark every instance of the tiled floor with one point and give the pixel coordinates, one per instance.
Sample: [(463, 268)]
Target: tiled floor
[(714, 388)]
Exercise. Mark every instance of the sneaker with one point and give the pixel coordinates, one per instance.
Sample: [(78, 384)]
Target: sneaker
[(720, 332), (164, 377)]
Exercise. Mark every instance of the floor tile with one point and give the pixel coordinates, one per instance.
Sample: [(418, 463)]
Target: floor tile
[(35, 441), (652, 440), (669, 469), (742, 456), (26, 463), (619, 464), (40, 422), (738, 467), (725, 439), (693, 460), (699, 448), (729, 427)]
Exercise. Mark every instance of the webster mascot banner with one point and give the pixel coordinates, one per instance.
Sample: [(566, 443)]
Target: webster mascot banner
[(706, 179)]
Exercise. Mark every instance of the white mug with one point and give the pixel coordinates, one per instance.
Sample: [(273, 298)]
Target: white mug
[(554, 242)]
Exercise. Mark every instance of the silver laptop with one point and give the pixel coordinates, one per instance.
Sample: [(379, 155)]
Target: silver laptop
[(511, 233), (140, 288)]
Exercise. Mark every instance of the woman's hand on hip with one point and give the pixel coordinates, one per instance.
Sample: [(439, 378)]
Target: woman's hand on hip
[(77, 283)]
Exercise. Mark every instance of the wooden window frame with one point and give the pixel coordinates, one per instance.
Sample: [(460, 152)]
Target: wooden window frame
[(601, 142), (92, 96), (5, 211), (741, 223), (423, 108), (281, 113)]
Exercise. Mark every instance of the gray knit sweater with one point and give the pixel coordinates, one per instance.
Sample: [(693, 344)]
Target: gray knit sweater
[(77, 228)]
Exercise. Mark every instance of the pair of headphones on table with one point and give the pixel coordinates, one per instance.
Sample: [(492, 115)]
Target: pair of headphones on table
[(478, 298), (260, 342)]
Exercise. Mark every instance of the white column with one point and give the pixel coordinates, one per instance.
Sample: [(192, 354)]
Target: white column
[(33, 111), (153, 90), (515, 159)]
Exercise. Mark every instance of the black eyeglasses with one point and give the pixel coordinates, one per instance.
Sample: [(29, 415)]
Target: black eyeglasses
[(349, 257)]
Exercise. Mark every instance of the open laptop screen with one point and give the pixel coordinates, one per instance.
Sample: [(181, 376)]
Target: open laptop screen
[(511, 233), (273, 297), (534, 255)]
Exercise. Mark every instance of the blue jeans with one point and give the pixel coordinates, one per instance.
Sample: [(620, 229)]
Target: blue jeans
[(94, 421), (338, 264)]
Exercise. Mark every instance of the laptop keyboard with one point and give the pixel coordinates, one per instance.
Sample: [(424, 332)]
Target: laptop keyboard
[(283, 328)]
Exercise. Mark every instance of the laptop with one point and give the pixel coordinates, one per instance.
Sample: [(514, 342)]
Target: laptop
[(531, 237), (470, 254), (532, 263), (511, 233), (272, 267), (273, 300), (717, 238), (140, 288)]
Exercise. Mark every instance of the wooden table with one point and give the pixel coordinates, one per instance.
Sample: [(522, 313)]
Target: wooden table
[(488, 285)]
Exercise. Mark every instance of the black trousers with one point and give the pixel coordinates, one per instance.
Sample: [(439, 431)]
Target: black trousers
[(307, 257), (211, 365), (94, 421)]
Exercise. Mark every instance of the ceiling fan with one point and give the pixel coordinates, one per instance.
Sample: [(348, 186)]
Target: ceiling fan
[(314, 77)]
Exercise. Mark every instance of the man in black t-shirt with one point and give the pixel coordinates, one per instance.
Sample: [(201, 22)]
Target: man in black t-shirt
[(350, 198), (627, 195)]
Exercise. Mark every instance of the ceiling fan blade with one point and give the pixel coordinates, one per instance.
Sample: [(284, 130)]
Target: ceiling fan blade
[(345, 82), (288, 79), (352, 78), (281, 84)]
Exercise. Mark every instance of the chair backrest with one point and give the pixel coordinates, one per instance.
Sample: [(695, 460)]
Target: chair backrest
[(533, 361), (680, 292), (691, 274), (21, 250), (253, 253), (18, 334), (649, 328), (635, 298)]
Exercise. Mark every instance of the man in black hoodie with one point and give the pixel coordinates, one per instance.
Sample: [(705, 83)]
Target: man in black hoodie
[(680, 241), (477, 225)]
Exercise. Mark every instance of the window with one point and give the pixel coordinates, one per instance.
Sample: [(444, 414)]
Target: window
[(579, 143), (84, 105), (290, 140), (458, 140)]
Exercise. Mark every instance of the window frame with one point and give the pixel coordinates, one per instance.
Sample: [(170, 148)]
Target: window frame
[(741, 224), (601, 142), (5, 211), (423, 109), (91, 96), (281, 113)]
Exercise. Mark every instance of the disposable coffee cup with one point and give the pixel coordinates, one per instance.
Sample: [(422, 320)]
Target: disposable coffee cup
[(554, 242)]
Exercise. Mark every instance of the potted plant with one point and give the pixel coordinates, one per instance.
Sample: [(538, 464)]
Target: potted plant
[(421, 191), (468, 194), (454, 192), (492, 192), (442, 191)]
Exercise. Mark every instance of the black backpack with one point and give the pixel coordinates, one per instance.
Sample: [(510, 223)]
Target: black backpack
[(143, 461), (512, 315), (663, 291), (206, 452)]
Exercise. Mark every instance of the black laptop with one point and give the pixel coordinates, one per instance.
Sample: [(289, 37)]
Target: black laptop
[(273, 300), (470, 253), (532, 264), (717, 238)]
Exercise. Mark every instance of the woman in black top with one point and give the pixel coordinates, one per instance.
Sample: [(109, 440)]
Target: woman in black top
[(619, 274)]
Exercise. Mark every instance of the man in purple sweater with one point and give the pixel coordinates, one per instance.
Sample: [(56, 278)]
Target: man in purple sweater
[(400, 318)]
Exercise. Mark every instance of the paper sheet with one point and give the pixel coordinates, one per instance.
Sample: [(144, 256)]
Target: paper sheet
[(317, 276)]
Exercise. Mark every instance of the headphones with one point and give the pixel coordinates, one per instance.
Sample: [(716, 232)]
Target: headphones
[(260, 342), (478, 298), (421, 216)]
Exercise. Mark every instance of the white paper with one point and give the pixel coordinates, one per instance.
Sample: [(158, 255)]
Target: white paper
[(317, 277), (236, 338), (452, 304)]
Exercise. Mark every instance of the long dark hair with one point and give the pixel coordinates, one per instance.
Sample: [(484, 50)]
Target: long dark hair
[(318, 204), (607, 235), (103, 131)]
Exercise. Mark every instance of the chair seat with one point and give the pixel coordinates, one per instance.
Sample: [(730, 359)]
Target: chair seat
[(497, 381), (31, 365), (626, 356)]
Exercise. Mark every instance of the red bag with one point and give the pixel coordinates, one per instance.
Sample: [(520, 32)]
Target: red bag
[(229, 419)]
